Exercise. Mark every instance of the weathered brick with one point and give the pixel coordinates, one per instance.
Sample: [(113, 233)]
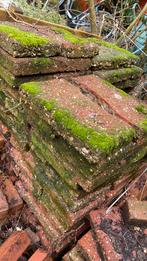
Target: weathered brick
[(40, 65), (73, 255), (19, 42), (104, 241), (136, 212), (121, 75), (3, 206), (112, 58), (15, 202), (88, 246), (120, 103), (40, 255), (14, 246)]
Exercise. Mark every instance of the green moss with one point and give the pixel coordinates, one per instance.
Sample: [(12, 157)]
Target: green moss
[(79, 40), (141, 108), (125, 72), (121, 92), (115, 47), (8, 77), (40, 61), (140, 155), (22, 37), (127, 135), (143, 125), (49, 105), (95, 139), (32, 88)]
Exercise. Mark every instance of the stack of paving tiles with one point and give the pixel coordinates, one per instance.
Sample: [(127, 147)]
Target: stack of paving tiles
[(25, 57), (81, 132)]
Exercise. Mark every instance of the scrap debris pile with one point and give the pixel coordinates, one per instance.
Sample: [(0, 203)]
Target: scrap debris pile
[(77, 133)]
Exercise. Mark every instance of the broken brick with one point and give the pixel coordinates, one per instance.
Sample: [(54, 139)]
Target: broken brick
[(88, 246), (135, 212), (40, 255), (14, 246), (15, 202), (3, 207)]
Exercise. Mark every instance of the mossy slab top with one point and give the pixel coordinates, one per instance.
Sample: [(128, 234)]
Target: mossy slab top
[(78, 116), (23, 43), (109, 54), (113, 57), (121, 74), (117, 101)]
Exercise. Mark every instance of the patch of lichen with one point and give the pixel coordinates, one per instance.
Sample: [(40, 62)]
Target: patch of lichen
[(143, 125), (74, 39), (22, 37), (43, 150), (48, 198), (142, 108), (127, 135), (126, 71), (42, 61), (8, 77), (140, 155)]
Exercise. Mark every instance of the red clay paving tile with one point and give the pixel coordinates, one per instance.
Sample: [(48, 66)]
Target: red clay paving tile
[(115, 240), (3, 206), (14, 246), (135, 212), (104, 241), (34, 66), (40, 255), (106, 246), (88, 246), (84, 109), (123, 106), (15, 202)]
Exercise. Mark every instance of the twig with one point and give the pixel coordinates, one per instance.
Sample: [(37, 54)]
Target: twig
[(128, 30), (129, 187)]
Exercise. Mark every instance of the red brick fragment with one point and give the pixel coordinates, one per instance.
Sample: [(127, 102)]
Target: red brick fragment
[(40, 255), (88, 247), (135, 212), (104, 241), (3, 206), (106, 246), (14, 246), (15, 202)]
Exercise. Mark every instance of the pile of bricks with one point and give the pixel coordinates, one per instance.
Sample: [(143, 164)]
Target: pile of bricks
[(76, 136), (117, 234)]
